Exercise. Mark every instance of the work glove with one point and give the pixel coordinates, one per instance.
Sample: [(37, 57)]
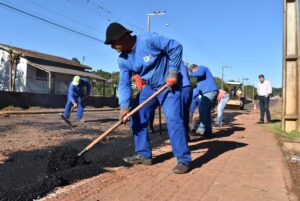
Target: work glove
[(123, 113), (140, 83), (171, 79)]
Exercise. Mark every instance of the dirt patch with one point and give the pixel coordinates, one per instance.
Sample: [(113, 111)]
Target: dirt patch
[(290, 146)]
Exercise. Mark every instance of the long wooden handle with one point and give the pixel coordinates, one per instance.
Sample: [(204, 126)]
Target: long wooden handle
[(115, 126), (73, 108)]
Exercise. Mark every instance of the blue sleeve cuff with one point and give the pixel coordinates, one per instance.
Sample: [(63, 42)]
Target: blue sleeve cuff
[(124, 108)]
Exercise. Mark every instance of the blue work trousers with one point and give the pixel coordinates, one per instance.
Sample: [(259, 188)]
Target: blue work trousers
[(171, 104), (80, 108), (220, 108), (186, 95), (205, 105)]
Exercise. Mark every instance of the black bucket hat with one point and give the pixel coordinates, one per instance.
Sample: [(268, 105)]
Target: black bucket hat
[(114, 32)]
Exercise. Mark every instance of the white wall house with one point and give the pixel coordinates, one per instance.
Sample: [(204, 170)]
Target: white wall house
[(42, 73)]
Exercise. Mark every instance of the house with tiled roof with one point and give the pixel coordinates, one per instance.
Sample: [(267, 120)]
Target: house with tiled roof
[(42, 73)]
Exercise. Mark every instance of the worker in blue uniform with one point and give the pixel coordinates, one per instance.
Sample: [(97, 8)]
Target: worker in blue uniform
[(195, 102), (186, 94), (208, 90), (156, 59), (76, 93), (186, 99)]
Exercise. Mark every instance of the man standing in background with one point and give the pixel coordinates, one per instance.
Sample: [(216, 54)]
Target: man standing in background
[(264, 90)]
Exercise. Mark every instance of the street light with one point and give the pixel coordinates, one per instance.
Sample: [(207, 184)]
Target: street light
[(253, 93), (155, 13), (243, 80), (222, 85)]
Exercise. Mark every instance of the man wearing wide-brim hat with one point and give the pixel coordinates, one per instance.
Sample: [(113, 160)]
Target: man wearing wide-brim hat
[(156, 59)]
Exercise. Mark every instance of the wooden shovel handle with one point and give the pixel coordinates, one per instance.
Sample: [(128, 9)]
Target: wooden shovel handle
[(73, 108), (115, 126)]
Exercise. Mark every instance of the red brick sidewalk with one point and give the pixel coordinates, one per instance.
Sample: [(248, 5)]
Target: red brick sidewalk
[(244, 162)]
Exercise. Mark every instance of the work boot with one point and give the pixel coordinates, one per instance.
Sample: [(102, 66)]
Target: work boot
[(260, 122), (167, 141), (200, 131), (81, 121), (181, 168), (215, 125), (138, 159), (64, 117)]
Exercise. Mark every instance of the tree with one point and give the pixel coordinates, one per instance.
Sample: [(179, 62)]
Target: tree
[(14, 60), (219, 83), (277, 91), (106, 88)]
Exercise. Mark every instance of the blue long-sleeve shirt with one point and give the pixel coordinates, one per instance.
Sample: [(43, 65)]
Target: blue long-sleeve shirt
[(152, 58), (185, 75), (205, 80), (78, 91)]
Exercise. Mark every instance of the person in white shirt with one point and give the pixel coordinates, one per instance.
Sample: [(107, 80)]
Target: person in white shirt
[(264, 91)]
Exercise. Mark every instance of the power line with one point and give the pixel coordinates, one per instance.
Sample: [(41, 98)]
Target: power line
[(179, 28), (50, 22), (152, 7), (100, 11), (108, 12), (61, 15)]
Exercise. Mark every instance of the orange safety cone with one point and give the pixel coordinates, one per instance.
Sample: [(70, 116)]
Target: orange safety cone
[(254, 108)]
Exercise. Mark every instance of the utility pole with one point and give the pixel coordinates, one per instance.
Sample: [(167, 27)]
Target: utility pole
[(290, 119), (155, 13), (83, 59), (222, 82), (243, 80), (253, 93)]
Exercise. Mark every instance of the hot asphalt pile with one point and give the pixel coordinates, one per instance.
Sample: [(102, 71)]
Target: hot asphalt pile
[(63, 167)]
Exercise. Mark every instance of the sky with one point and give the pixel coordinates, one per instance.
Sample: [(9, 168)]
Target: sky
[(245, 35)]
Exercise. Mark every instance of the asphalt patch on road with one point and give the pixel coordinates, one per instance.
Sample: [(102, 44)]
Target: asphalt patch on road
[(63, 158), (40, 188), (63, 168)]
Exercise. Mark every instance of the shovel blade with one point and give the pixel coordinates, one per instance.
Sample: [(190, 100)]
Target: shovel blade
[(66, 120)]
